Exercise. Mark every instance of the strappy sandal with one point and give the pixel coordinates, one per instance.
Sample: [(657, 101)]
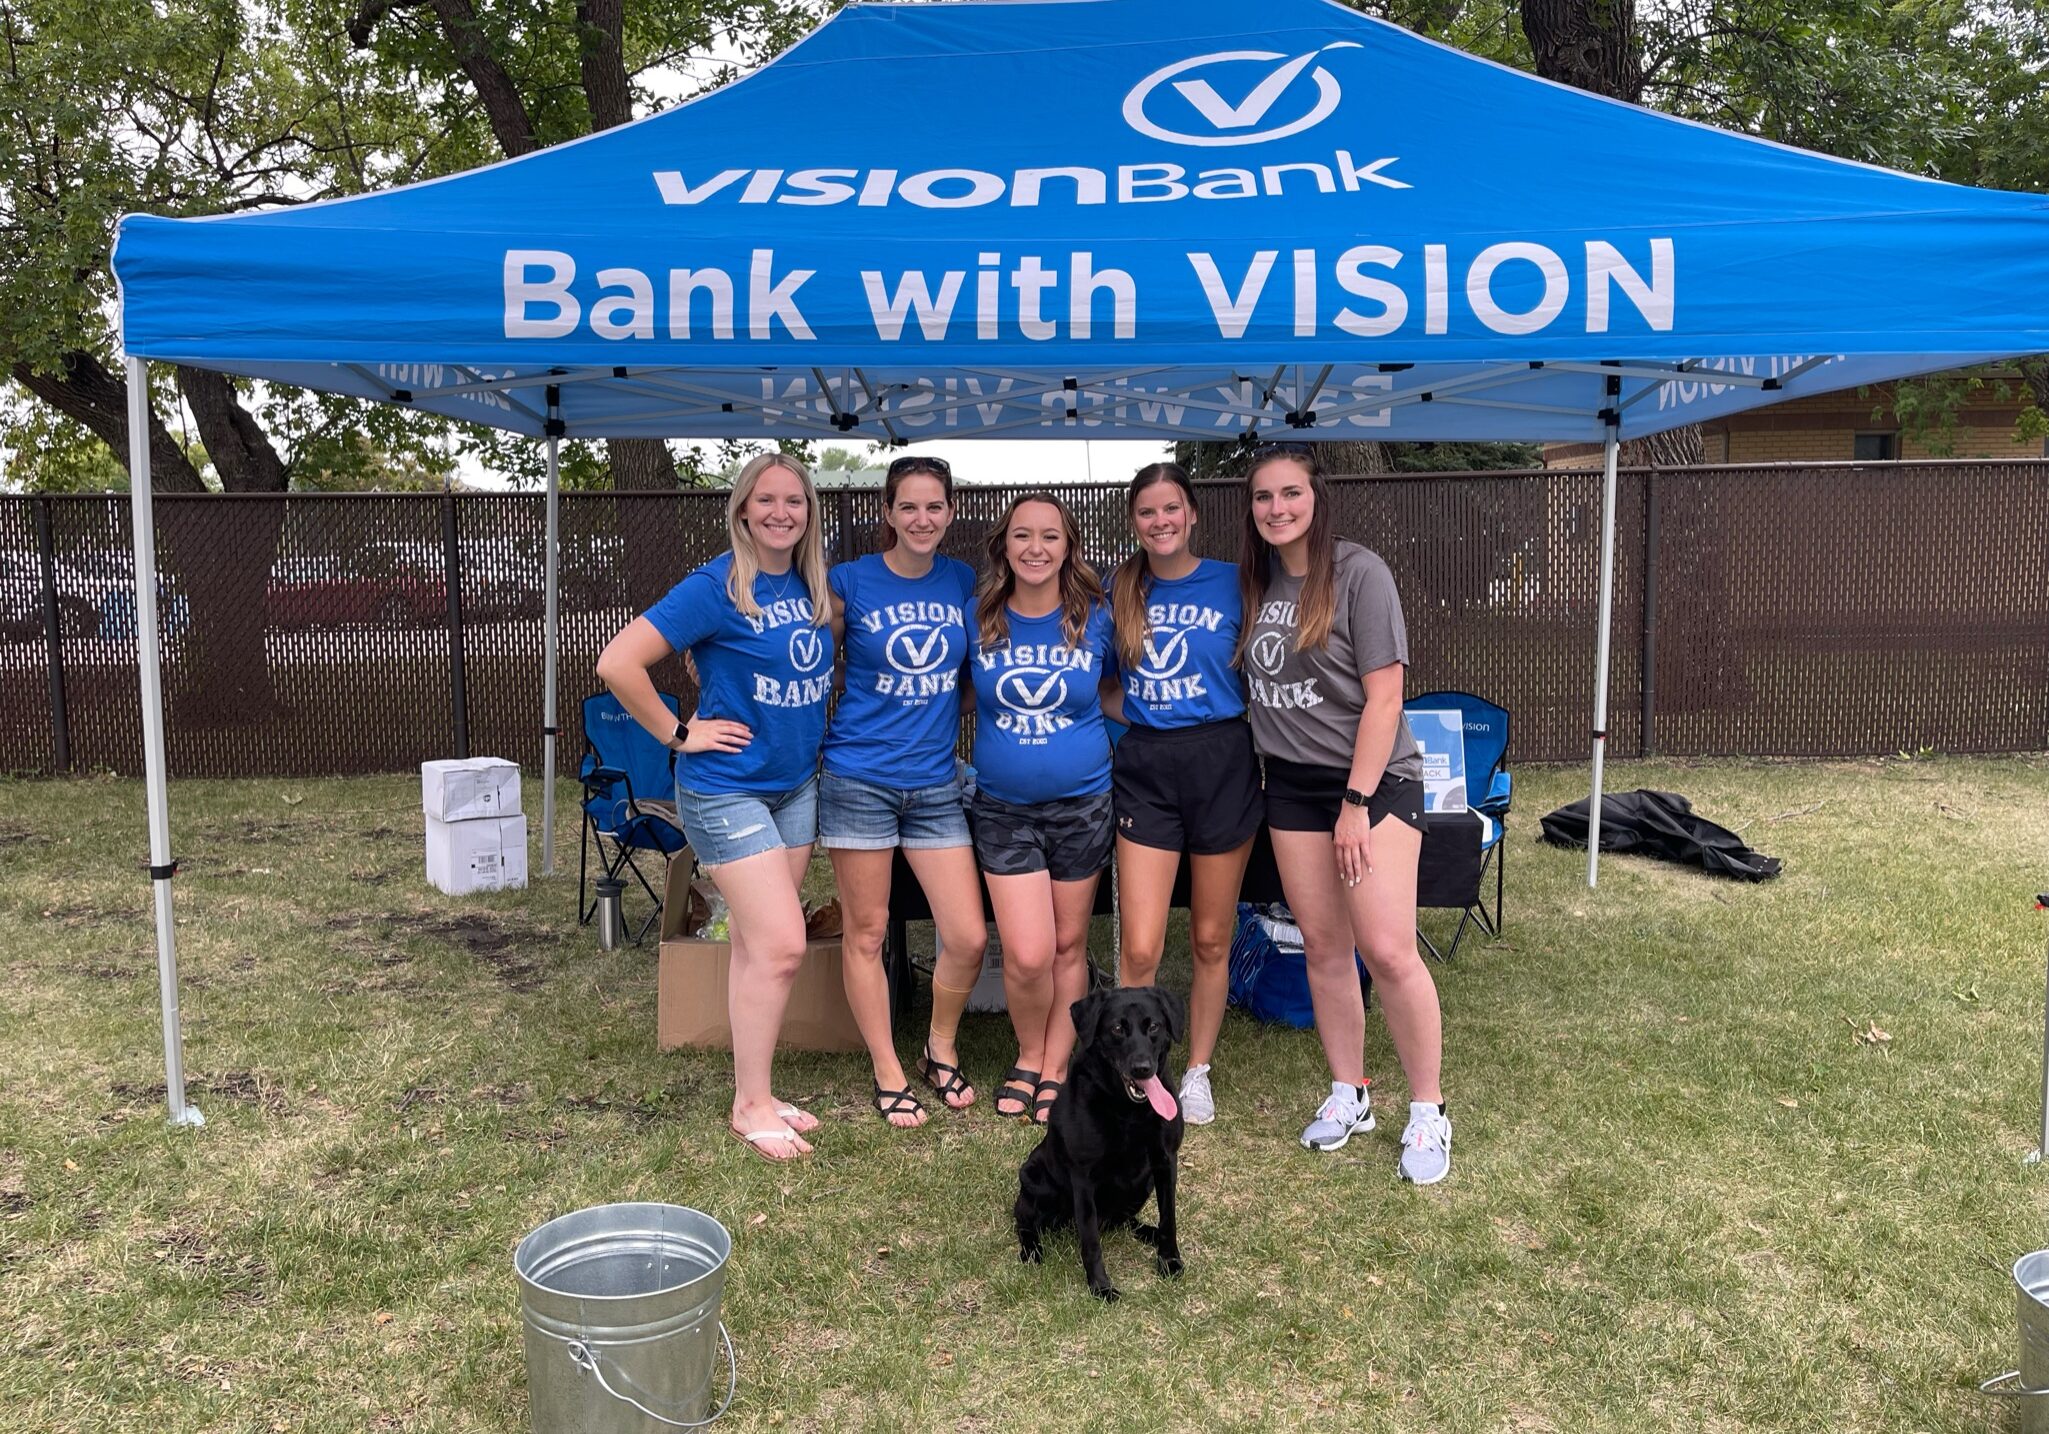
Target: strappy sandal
[(1022, 1099), (1042, 1105), (930, 1071), (897, 1102)]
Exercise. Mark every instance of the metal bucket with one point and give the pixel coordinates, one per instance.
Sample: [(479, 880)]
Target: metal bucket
[(621, 1305), (2031, 1300)]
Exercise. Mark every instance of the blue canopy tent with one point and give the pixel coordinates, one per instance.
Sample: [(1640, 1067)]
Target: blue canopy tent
[(1072, 218)]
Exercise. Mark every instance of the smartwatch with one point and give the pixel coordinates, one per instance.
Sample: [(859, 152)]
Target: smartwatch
[(678, 737), (1355, 797)]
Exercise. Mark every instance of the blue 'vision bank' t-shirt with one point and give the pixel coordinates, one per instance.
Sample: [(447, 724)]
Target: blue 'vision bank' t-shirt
[(1185, 677), (1039, 730), (772, 672), (905, 640)]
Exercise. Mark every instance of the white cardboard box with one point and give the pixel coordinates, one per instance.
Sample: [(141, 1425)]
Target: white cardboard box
[(460, 789), (481, 854)]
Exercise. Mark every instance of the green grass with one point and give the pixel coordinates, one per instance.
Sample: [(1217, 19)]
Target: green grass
[(1686, 1195)]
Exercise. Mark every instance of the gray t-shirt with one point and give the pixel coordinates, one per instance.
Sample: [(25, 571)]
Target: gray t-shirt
[(1306, 706)]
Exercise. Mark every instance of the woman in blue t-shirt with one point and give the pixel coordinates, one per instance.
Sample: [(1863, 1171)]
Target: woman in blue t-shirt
[(1042, 780), (1185, 776), (753, 622), (891, 779)]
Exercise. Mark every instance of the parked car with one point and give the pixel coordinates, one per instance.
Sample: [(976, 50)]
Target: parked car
[(328, 590), (95, 596)]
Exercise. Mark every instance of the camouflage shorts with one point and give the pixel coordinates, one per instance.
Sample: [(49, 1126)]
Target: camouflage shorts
[(1069, 837)]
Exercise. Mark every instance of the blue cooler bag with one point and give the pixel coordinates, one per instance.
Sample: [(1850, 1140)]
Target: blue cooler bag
[(1271, 980)]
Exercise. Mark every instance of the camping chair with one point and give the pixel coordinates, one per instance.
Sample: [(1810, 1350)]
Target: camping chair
[(1449, 879), (629, 786)]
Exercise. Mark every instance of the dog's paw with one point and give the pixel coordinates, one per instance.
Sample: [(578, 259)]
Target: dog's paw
[(1146, 1235), (1028, 1254), (1107, 1293), (1168, 1264)]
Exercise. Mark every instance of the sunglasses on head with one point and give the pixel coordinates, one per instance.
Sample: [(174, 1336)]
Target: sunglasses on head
[(919, 463)]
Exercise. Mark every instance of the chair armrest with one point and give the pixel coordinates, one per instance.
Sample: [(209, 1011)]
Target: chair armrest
[(599, 778), (1498, 793)]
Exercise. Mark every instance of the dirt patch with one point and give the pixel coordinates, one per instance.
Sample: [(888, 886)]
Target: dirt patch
[(87, 915), (250, 1087), (13, 833), (507, 950), (366, 876), (421, 1095)]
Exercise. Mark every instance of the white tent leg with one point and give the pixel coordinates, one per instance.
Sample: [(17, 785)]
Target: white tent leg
[(1608, 457), (552, 638), (148, 660)]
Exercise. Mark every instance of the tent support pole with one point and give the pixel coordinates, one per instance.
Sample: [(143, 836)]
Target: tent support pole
[(148, 663), (1610, 448), (552, 639)]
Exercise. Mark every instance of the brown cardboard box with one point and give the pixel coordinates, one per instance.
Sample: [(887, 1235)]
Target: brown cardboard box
[(691, 983)]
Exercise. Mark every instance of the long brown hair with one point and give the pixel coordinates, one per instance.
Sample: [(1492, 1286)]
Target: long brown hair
[(1133, 581), (1079, 589), (1318, 607), (911, 465)]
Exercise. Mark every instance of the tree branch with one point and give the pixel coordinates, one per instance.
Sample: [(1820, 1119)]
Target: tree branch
[(84, 391)]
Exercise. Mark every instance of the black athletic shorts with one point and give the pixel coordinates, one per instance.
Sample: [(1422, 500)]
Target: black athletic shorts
[(1068, 838), (1302, 798), (1192, 789)]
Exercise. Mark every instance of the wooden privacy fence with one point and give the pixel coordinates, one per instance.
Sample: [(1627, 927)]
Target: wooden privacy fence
[(1822, 610)]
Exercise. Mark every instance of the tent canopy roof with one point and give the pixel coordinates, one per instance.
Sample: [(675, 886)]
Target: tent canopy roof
[(1061, 218)]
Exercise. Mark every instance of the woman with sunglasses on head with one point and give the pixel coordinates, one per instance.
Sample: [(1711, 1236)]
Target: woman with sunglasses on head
[(753, 623), (1042, 814), (891, 779), (1324, 650), (1185, 777)]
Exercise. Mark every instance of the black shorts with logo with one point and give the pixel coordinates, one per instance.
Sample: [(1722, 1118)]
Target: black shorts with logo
[(1192, 789), (1068, 838), (1304, 798)]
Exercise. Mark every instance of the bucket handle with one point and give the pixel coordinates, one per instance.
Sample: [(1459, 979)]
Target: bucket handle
[(583, 1357), (2022, 1393)]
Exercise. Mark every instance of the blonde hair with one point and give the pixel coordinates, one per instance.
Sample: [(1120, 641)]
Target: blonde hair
[(808, 562)]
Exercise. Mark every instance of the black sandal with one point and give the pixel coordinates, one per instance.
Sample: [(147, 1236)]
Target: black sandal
[(896, 1102), (1022, 1099), (1044, 1103), (929, 1071)]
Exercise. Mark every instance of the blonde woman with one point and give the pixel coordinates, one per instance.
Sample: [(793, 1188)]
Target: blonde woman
[(754, 623)]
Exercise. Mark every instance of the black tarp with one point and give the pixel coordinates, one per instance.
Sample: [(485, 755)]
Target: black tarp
[(1661, 825)]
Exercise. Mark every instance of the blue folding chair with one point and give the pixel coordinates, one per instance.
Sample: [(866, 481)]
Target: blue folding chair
[(1487, 774), (629, 788)]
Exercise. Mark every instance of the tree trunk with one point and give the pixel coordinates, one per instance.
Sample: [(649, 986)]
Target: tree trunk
[(87, 393), (1353, 457), (1588, 44), (606, 88)]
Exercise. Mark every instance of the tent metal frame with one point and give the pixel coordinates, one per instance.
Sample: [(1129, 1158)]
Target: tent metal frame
[(668, 382)]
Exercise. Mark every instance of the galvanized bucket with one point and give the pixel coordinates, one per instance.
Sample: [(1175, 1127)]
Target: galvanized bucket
[(621, 1303), (2031, 1299)]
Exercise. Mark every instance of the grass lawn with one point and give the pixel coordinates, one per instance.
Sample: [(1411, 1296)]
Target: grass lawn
[(1695, 1189)]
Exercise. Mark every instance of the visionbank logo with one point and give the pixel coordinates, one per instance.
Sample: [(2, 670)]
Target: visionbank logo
[(1240, 122)]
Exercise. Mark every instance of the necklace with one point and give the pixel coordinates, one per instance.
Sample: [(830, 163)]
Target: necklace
[(782, 589)]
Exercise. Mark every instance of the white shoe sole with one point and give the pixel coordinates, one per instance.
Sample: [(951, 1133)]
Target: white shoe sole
[(1361, 1128), (1192, 1120)]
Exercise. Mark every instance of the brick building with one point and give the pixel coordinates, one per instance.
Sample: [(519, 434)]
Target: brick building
[(1851, 426)]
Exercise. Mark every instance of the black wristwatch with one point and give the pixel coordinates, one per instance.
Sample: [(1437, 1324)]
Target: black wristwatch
[(1357, 798), (678, 737)]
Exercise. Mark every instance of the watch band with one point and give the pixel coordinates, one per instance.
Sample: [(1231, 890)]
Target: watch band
[(1357, 798), (681, 735)]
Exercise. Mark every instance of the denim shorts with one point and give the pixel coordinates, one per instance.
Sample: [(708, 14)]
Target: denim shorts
[(865, 816), (732, 826)]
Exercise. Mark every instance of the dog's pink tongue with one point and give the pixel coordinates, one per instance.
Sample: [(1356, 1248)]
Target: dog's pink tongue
[(1162, 1099)]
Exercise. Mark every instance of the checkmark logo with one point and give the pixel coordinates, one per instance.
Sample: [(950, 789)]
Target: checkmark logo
[(913, 655), (1166, 650), (807, 651), (1270, 652), (1263, 77), (1031, 690)]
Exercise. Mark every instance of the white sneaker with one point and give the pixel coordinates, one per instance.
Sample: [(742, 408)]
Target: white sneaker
[(1347, 1113), (1198, 1106), (1426, 1145)]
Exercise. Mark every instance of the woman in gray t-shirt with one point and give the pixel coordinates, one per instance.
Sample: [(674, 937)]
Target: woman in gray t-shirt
[(1324, 650)]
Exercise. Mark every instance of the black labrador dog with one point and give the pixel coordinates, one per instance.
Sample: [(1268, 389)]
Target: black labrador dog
[(1114, 1137)]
